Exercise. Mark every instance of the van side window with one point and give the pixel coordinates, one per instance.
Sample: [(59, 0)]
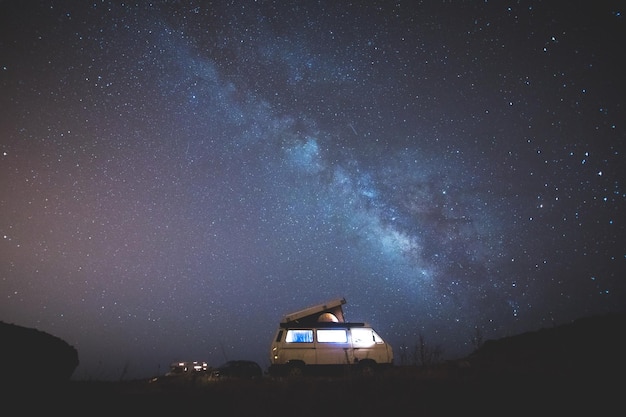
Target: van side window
[(332, 336), (299, 336), (364, 337), (377, 338)]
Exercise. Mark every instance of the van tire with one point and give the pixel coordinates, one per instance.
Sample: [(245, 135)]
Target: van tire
[(367, 368), (295, 370)]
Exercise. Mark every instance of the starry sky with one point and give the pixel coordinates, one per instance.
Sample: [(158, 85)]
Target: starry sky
[(175, 176)]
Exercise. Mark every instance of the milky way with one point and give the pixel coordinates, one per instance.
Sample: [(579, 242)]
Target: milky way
[(177, 176)]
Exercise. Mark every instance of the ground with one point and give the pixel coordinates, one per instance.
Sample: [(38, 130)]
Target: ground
[(402, 391)]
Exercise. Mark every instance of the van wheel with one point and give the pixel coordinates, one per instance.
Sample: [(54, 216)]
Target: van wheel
[(367, 368), (295, 371)]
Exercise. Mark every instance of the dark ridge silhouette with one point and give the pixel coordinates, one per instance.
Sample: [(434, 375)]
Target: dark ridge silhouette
[(585, 347), (34, 357)]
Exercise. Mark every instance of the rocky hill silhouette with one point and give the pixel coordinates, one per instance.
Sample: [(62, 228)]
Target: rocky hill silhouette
[(35, 357)]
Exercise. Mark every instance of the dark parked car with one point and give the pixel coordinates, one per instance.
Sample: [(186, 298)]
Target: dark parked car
[(238, 369)]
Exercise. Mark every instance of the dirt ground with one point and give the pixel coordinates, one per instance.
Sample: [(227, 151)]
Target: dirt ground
[(403, 392)]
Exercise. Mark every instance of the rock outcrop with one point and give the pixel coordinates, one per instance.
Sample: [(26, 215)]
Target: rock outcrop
[(33, 356)]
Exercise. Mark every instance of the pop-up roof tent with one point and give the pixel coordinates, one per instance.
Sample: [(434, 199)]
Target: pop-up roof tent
[(327, 312)]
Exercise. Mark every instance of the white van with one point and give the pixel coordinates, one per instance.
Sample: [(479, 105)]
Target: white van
[(317, 339)]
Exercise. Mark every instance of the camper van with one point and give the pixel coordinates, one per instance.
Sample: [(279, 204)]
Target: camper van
[(318, 339)]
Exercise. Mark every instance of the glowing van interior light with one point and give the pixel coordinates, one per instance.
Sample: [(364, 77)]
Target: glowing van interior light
[(364, 337), (299, 336), (332, 336)]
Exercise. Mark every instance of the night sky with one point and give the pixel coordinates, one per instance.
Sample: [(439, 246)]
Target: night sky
[(175, 176)]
